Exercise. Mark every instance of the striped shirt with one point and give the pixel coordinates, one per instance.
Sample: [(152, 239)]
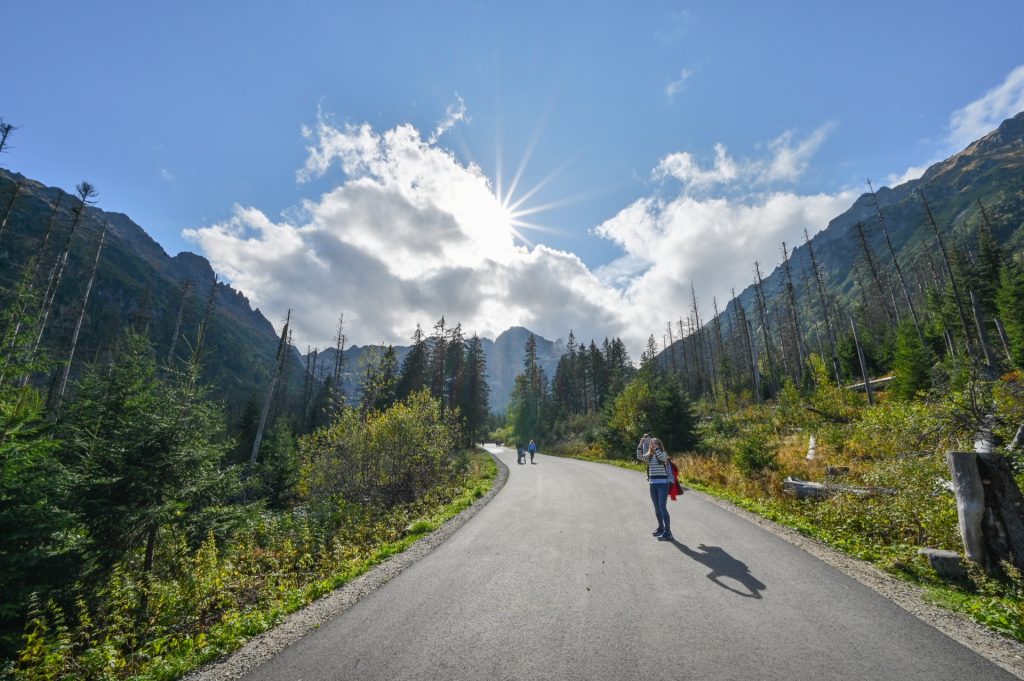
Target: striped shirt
[(657, 463)]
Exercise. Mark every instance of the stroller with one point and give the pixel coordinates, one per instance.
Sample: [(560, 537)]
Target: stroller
[(520, 453)]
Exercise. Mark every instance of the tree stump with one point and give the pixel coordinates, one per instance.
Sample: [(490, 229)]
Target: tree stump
[(947, 564), (970, 503), (1004, 506), (990, 508)]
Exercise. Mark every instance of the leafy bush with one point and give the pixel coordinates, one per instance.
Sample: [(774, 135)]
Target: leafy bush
[(385, 457)]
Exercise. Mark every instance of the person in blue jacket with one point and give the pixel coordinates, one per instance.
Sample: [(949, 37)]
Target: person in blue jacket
[(532, 448)]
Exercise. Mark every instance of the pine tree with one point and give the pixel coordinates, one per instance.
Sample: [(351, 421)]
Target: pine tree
[(455, 364), (475, 392), (912, 363), (414, 375), (145, 453), (35, 523), (380, 377), (1010, 304), (528, 397)]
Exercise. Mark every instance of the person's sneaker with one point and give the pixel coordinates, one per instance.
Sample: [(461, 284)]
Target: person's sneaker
[(657, 533), (665, 537)]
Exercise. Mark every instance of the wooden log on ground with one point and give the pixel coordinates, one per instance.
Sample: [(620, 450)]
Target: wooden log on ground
[(970, 503), (804, 489)]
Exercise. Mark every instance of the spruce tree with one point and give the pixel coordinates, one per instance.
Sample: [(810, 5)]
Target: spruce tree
[(415, 367), (475, 392), (1010, 303), (912, 363), (35, 524), (145, 453)]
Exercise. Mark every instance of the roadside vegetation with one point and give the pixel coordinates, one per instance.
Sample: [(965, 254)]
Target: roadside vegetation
[(862, 397), (139, 551)]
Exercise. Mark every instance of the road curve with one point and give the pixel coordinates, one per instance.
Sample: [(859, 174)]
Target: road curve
[(559, 578)]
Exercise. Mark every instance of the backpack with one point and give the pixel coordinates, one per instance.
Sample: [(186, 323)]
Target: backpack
[(674, 488)]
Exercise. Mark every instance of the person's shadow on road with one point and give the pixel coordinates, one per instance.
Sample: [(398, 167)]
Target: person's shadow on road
[(724, 566)]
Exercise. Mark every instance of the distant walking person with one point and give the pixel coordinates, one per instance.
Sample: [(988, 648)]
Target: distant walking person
[(520, 453), (652, 452), (532, 448)]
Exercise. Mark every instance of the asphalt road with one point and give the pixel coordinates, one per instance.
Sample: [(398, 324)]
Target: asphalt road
[(559, 578)]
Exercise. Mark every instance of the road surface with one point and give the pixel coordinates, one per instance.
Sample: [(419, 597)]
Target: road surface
[(559, 578)]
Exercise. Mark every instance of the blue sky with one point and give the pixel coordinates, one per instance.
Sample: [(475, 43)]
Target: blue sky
[(666, 142)]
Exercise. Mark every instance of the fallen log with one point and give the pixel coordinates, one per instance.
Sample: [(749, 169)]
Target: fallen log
[(804, 489), (833, 418)]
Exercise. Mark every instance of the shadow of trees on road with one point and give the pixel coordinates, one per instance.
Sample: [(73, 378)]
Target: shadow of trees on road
[(724, 566)]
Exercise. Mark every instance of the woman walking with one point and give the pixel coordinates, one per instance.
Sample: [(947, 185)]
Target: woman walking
[(652, 452)]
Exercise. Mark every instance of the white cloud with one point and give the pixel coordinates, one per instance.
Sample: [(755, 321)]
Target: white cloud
[(911, 173), (410, 234), (683, 167), (790, 158), (725, 216), (786, 162), (455, 113), (676, 86), (710, 241), (973, 121), (984, 114)]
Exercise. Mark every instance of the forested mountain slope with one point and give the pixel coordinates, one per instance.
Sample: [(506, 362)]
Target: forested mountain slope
[(137, 283)]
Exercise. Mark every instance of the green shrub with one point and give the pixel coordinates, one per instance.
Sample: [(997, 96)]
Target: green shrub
[(756, 451)]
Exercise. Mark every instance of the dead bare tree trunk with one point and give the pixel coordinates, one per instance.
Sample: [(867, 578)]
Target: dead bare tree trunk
[(86, 193), (970, 503), (703, 340), (177, 324), (81, 317), (830, 329), (949, 273), (798, 335), (979, 324), (875, 276), (863, 363), (721, 347), (765, 328), (339, 356), (1002, 338), (748, 342), (5, 131), (896, 264), (204, 323), (281, 351), (10, 206), (672, 350), (25, 292)]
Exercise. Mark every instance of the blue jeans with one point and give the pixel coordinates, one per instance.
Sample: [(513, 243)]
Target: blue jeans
[(659, 495)]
